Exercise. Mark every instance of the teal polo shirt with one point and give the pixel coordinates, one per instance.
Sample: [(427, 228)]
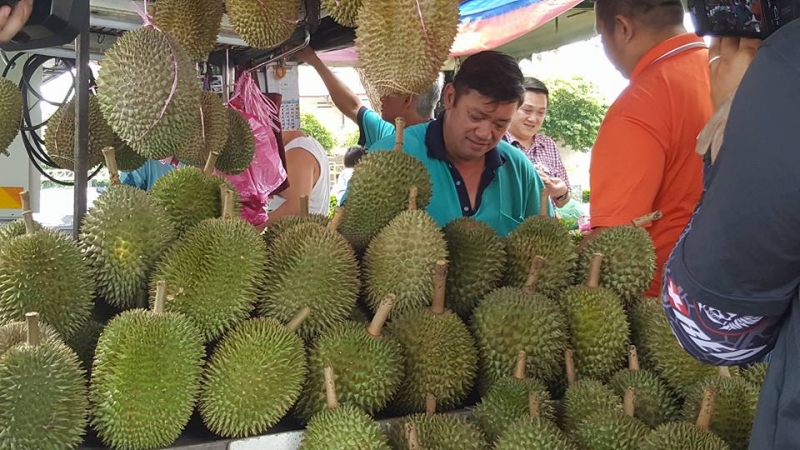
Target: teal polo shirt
[(507, 194), (146, 176), (371, 127)]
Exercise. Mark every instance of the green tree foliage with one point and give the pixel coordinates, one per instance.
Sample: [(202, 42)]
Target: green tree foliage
[(310, 125), (574, 114), (350, 140)]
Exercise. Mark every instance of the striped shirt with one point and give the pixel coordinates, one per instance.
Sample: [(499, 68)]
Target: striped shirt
[(543, 153)]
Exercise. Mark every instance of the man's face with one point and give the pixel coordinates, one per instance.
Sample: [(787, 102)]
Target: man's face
[(393, 106), (529, 117), (475, 123)]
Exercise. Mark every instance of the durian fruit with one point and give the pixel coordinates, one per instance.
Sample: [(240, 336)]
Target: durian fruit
[(685, 435), (45, 271), (127, 159), (84, 342), (509, 400), (253, 377), (371, 366), (436, 431), (140, 71), (15, 333), (399, 259), (662, 352), (240, 147), (533, 433), (585, 397), (734, 407), (271, 233), (614, 430), (598, 327), (191, 195), (314, 266), (655, 404), (194, 24), (755, 374), (43, 402), (380, 190), (477, 262), (343, 12), (15, 228), (541, 236), (145, 377), (263, 23), (59, 137), (10, 113), (123, 237), (215, 126), (629, 263), (213, 273), (391, 41), (441, 358), (341, 426), (510, 320)]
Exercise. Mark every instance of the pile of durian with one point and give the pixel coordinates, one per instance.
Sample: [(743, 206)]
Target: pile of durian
[(171, 305)]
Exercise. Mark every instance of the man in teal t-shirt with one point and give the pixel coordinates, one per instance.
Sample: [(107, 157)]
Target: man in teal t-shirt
[(474, 173), (146, 176)]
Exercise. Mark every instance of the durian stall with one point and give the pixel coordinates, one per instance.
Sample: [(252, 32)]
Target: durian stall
[(171, 322)]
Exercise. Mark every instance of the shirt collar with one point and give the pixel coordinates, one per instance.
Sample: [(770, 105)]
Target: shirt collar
[(662, 49), (434, 141)]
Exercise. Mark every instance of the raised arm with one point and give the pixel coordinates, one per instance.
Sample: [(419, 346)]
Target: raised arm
[(345, 100)]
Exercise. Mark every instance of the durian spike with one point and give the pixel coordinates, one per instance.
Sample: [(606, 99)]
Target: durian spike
[(594, 270), (227, 204), (381, 315), (533, 274), (533, 405), (111, 164), (399, 131), (629, 401), (411, 436), (706, 409), (336, 220), (34, 333), (211, 163), (439, 285), (161, 296), (647, 218), (633, 358), (569, 360), (330, 389), (724, 372), (519, 368), (544, 203), (304, 205), (298, 320), (430, 404), (413, 192)]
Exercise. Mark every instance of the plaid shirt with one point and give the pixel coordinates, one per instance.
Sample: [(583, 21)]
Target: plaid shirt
[(544, 154)]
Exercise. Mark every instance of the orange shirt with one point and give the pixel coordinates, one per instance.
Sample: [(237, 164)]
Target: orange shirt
[(644, 158)]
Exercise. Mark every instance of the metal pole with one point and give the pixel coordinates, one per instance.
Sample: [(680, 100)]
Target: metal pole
[(81, 128)]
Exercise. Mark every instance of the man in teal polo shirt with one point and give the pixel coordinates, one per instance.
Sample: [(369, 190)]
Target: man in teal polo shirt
[(474, 173)]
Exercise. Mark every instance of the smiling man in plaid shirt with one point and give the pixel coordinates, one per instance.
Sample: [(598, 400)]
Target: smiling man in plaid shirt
[(541, 150)]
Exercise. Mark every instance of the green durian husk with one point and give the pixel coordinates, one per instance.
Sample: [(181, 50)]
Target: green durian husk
[(682, 436), (275, 229), (216, 125), (613, 430), (14, 229), (193, 23), (756, 374), (586, 397), (10, 113), (438, 432), (240, 147), (533, 434), (507, 401), (343, 427), (15, 333), (654, 403), (263, 24), (734, 409)]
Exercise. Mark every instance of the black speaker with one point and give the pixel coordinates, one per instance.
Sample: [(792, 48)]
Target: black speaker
[(52, 23)]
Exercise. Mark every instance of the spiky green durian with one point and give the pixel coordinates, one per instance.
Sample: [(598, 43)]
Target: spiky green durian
[(240, 147), (284, 223), (610, 430), (547, 238), (263, 23), (127, 159), (734, 408), (399, 261), (345, 425), (507, 401), (586, 397), (15, 228), (477, 261), (252, 379), (654, 403), (59, 138), (190, 197), (46, 272), (194, 24), (533, 434), (10, 113), (756, 374), (140, 71), (14, 333), (343, 12), (681, 436), (84, 342), (214, 134), (123, 237), (439, 432)]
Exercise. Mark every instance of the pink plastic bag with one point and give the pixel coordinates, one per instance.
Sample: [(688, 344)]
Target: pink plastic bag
[(266, 172)]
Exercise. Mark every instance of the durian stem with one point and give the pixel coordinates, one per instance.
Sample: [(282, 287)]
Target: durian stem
[(430, 404), (399, 131), (336, 220), (304, 205), (594, 270), (330, 389), (647, 218), (544, 204), (439, 287), (633, 358), (34, 333), (724, 372), (630, 401), (211, 163), (27, 218), (25, 199), (533, 405), (411, 436), (381, 315), (569, 360), (227, 204), (413, 192), (706, 409), (298, 320), (537, 263), (161, 296), (111, 164), (519, 368)]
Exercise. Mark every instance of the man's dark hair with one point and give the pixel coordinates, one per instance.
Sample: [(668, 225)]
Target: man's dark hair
[(492, 74), (534, 85), (655, 14), (353, 155)]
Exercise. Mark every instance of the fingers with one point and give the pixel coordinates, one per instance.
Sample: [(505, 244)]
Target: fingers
[(714, 48), (750, 44), (728, 46), (12, 20)]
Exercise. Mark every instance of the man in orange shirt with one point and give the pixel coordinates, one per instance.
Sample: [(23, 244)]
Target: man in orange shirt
[(644, 158)]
